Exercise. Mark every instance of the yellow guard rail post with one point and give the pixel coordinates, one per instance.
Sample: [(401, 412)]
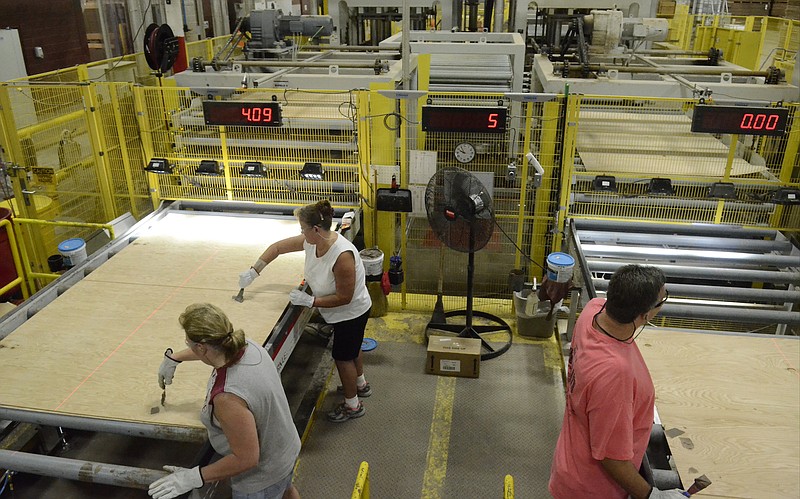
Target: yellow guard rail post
[(508, 487), (361, 489)]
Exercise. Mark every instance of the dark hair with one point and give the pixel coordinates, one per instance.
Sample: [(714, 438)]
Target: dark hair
[(319, 214), (206, 323), (633, 290)]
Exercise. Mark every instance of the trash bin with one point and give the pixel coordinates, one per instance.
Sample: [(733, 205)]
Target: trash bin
[(532, 315)]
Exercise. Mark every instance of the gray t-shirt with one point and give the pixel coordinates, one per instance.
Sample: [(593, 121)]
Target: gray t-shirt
[(254, 379)]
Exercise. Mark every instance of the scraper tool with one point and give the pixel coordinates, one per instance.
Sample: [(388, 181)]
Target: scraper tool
[(240, 296)]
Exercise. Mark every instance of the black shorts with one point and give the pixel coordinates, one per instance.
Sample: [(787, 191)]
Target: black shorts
[(347, 337)]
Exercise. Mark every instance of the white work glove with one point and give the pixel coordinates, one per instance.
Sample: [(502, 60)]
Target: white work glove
[(247, 277), (167, 370), (298, 297), (179, 481), (667, 494)]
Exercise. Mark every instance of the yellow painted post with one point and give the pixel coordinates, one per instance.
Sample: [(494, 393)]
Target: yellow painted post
[(542, 211), (525, 171), (123, 145), (787, 165), (99, 150), (382, 152), (508, 487), (567, 161), (361, 488), (147, 141)]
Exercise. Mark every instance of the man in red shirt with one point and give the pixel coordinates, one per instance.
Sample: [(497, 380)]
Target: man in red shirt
[(610, 395)]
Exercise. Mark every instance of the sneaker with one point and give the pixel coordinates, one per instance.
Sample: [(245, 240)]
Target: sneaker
[(363, 392), (343, 413)]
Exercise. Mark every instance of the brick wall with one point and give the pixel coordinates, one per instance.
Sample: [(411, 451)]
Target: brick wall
[(55, 25)]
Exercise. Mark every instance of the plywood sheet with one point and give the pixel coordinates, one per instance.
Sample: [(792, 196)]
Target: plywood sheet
[(730, 406), (653, 165), (95, 350), (652, 144)]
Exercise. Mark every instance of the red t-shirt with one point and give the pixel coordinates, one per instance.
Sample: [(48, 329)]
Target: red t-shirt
[(608, 414)]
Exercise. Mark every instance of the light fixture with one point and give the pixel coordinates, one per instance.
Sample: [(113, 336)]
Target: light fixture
[(661, 186), (158, 165), (209, 167), (312, 171), (253, 169), (605, 183), (722, 190), (786, 195)]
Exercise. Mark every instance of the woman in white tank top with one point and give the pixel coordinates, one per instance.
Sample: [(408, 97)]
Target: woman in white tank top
[(336, 276)]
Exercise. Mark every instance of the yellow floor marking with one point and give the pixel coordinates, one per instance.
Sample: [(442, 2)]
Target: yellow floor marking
[(439, 443)]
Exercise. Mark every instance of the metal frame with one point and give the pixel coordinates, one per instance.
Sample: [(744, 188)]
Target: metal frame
[(699, 253)]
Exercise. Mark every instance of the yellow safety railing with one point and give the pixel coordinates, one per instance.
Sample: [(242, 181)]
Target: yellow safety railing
[(12, 242), (508, 487), (361, 488), (31, 275)]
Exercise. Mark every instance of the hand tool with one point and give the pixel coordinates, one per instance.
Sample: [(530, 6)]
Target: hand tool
[(240, 296), (699, 484)]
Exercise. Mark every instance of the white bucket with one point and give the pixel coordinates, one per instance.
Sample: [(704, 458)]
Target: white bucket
[(373, 261), (559, 267), (73, 251)]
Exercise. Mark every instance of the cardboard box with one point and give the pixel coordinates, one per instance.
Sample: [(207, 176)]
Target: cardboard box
[(453, 356)]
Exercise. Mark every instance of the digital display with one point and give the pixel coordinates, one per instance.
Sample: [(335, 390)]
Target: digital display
[(235, 113), (741, 120), (464, 119)]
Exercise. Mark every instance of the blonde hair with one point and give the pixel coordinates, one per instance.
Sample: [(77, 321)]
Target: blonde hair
[(319, 214), (208, 324)]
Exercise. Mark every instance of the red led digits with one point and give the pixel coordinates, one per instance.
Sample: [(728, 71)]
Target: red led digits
[(759, 121), (257, 114), (493, 120), (231, 113)]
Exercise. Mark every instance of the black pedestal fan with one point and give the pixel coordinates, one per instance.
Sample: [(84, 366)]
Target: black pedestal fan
[(460, 214)]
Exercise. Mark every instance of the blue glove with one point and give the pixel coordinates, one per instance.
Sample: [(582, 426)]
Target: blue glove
[(179, 481), (298, 297), (167, 369)]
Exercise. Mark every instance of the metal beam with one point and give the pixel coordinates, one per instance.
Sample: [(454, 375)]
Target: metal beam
[(161, 432), (700, 229), (722, 313), (710, 273), (680, 241), (722, 292), (653, 253), (82, 471)]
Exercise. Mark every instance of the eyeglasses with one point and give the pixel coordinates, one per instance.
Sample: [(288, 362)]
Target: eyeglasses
[(666, 297)]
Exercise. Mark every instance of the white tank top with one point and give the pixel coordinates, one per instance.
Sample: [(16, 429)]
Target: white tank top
[(319, 275)]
